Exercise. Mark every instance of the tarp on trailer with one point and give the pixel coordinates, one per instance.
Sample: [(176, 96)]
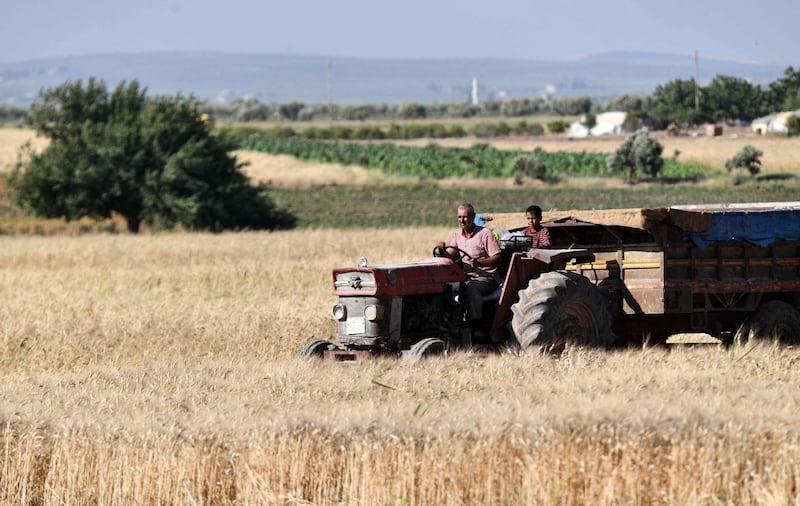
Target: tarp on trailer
[(758, 223)]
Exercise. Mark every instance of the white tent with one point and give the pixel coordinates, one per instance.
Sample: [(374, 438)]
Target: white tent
[(608, 123), (774, 123), (761, 125)]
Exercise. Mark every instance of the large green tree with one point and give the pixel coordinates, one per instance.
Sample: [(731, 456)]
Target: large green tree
[(151, 160), (731, 98), (784, 93), (677, 101)]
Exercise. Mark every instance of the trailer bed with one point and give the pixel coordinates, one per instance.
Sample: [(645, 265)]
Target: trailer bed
[(757, 223)]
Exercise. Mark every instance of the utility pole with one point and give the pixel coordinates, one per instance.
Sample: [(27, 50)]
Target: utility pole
[(330, 94), (696, 79)]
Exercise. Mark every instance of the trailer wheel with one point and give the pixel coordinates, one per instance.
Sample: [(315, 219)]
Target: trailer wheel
[(774, 319), (315, 349), (560, 308), (426, 348)]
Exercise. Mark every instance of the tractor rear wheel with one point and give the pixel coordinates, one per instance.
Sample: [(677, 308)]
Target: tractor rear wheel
[(426, 348), (560, 308), (774, 319), (315, 349)]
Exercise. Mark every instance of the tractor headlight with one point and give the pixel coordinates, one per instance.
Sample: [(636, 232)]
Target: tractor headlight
[(373, 313), (339, 312)]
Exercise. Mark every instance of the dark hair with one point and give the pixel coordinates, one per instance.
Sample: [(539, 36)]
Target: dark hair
[(535, 210)]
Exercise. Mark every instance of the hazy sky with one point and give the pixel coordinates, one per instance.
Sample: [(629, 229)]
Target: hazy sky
[(763, 31)]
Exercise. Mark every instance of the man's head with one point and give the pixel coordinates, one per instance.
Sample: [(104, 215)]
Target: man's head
[(466, 217), (534, 215)]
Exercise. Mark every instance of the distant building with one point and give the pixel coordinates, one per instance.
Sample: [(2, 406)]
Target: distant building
[(608, 123), (761, 125), (474, 91), (773, 123)]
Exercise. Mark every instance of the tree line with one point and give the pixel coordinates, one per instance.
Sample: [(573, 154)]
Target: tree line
[(724, 99)]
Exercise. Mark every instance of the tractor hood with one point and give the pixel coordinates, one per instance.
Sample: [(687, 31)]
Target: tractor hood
[(414, 278)]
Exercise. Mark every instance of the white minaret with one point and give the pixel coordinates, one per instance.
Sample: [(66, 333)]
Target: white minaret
[(474, 91)]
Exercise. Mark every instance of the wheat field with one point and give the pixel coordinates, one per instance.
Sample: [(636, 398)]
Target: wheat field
[(160, 369)]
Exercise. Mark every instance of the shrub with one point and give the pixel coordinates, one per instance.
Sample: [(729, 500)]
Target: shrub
[(279, 132), (749, 157), (557, 126), (368, 132), (341, 132), (640, 154), (528, 166), (525, 128), (456, 131), (484, 130)]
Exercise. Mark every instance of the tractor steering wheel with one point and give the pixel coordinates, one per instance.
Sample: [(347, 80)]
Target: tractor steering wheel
[(459, 259)]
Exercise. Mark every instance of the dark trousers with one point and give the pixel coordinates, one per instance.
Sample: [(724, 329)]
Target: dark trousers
[(474, 290)]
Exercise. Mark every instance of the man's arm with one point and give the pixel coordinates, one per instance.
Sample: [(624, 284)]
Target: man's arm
[(487, 261)]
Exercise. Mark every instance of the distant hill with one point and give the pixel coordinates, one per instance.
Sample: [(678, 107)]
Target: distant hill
[(318, 79)]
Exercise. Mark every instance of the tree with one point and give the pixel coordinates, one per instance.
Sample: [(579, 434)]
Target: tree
[(291, 110), (784, 94), (675, 101), (358, 112), (626, 103), (640, 154), (250, 109), (412, 110), (729, 98), (793, 126), (150, 160), (749, 157), (589, 121), (571, 106), (520, 106)]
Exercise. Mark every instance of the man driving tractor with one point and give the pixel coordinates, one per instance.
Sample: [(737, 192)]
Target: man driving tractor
[(477, 248)]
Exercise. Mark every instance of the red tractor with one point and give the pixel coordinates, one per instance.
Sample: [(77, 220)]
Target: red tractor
[(612, 276), (415, 309)]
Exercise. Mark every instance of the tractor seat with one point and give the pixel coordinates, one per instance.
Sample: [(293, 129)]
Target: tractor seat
[(495, 295)]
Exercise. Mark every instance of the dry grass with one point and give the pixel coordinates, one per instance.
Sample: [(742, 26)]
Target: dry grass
[(159, 369), (288, 172), (11, 139)]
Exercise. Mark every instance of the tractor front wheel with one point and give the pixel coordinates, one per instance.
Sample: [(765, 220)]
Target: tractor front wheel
[(315, 349), (426, 348), (559, 309)]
